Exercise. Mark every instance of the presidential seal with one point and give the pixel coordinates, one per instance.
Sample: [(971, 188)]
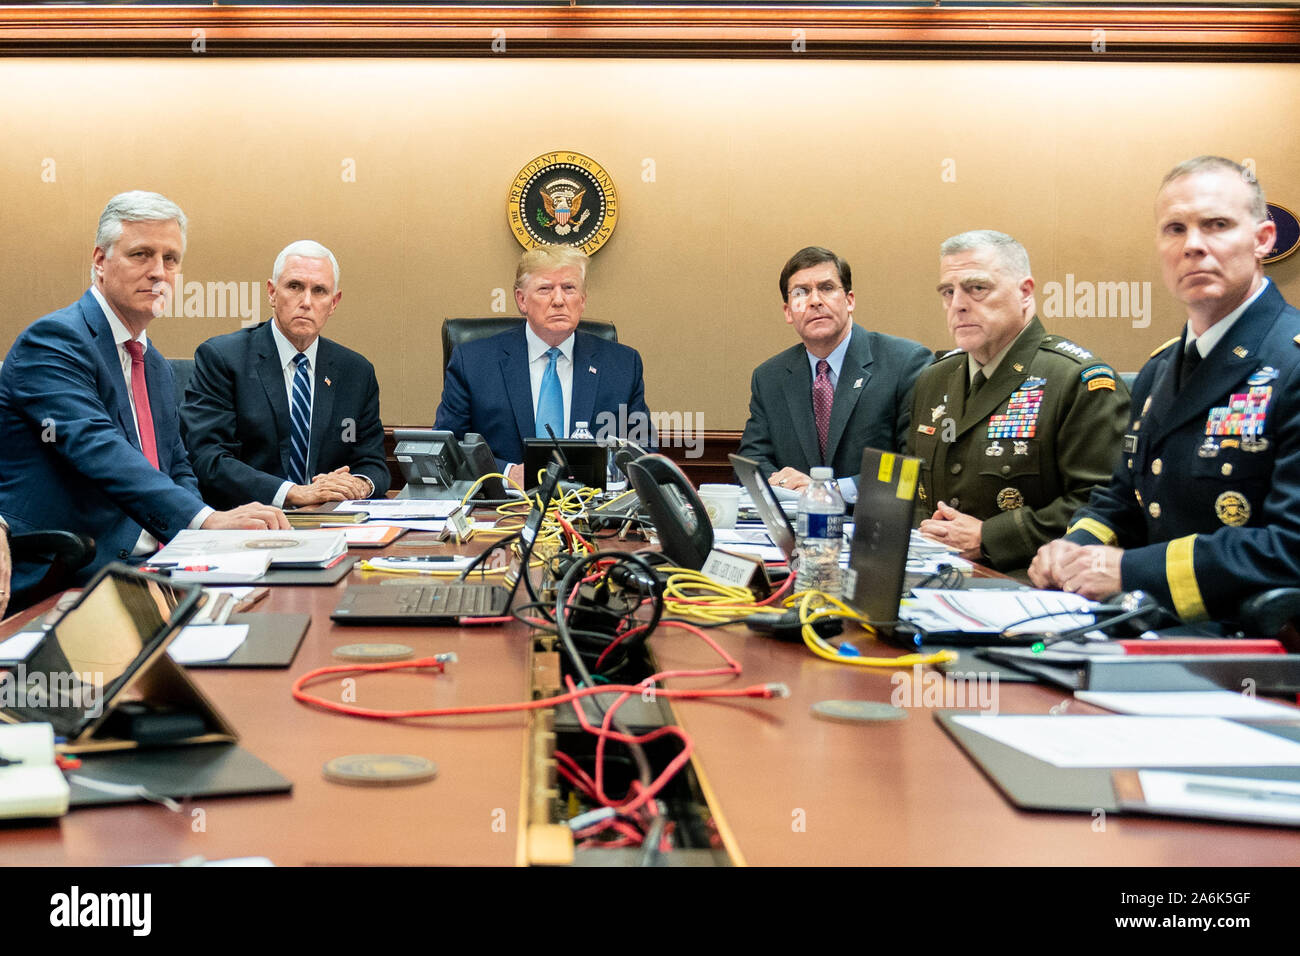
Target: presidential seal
[(562, 198), (1288, 233), (1232, 508)]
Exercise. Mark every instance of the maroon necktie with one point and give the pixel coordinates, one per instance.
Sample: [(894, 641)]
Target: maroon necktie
[(823, 398), (140, 393)]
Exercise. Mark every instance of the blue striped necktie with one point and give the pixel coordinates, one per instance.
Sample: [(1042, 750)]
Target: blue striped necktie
[(300, 420), (550, 400)]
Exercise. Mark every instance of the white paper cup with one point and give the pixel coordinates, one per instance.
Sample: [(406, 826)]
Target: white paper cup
[(722, 502)]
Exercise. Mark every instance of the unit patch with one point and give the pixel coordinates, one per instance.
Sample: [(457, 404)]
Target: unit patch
[(1009, 499), (1232, 508)]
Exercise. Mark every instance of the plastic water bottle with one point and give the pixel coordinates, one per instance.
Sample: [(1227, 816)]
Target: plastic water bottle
[(581, 431), (820, 529)]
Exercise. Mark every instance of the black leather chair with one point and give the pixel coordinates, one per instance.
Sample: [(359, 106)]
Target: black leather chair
[(1274, 613), (67, 553), (458, 331), (183, 371)]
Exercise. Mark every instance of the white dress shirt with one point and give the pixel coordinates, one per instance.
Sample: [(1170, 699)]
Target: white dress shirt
[(537, 362), (1210, 338)]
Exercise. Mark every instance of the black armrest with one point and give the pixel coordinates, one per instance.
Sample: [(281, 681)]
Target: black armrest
[(66, 553), (1273, 613)]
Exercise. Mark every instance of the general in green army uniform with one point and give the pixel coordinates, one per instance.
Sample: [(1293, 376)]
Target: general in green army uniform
[(1015, 427)]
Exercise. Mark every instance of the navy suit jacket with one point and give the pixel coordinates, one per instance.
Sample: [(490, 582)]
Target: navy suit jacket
[(1207, 520), (72, 457), (872, 407), (487, 390), (235, 417)]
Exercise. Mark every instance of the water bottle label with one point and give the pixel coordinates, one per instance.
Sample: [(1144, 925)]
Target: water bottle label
[(813, 525)]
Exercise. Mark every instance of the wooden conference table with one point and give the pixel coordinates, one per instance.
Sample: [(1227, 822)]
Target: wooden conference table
[(790, 788)]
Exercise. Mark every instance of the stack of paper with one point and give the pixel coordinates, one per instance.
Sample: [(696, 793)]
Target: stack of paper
[(940, 611), (194, 550), (207, 644)]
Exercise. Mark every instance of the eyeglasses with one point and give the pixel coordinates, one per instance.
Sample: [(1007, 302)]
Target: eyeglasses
[(827, 290)]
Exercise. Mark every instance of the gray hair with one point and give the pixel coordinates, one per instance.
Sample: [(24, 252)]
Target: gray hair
[(1201, 164), (308, 249), (1010, 253), (135, 206)]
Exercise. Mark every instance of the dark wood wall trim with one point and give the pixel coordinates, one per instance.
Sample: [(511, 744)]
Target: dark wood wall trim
[(710, 464), (1232, 33)]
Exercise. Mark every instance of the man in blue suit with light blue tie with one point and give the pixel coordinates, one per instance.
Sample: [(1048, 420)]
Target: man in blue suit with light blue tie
[(88, 415), (508, 387)]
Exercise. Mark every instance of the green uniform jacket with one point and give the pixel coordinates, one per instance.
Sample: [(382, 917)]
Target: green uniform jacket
[(1023, 487)]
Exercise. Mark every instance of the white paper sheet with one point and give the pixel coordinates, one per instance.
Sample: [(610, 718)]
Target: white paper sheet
[(20, 646), (1082, 741), (1197, 703), (249, 566), (386, 508), (1221, 798), (418, 524), (936, 610), (402, 563), (211, 642)]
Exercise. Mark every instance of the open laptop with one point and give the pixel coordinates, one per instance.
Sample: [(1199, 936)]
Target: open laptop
[(882, 531), (119, 627), (773, 516), (585, 459), (445, 603)]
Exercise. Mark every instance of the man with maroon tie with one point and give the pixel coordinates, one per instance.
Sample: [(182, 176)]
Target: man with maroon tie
[(840, 390), (88, 411)]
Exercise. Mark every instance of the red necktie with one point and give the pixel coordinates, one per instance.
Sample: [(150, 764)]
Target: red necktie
[(823, 398), (140, 393)]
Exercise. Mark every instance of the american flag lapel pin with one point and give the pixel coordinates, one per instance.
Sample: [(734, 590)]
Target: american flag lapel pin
[(327, 381), (591, 369), (858, 383)]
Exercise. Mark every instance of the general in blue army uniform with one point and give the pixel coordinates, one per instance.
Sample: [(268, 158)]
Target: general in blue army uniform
[(1203, 509), (1015, 427)]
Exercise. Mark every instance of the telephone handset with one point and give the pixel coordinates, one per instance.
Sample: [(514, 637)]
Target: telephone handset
[(685, 531)]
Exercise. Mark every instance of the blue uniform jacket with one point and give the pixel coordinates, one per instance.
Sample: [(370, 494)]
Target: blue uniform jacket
[(1205, 499)]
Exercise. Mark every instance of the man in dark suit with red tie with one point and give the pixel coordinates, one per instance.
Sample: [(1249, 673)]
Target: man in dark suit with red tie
[(840, 390), (88, 411)]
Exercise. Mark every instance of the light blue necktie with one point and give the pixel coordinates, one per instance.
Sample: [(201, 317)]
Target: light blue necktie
[(300, 420), (550, 400)]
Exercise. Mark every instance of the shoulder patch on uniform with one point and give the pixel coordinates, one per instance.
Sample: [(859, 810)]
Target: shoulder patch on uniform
[(1098, 376), (1092, 371), (1179, 338), (1066, 347)]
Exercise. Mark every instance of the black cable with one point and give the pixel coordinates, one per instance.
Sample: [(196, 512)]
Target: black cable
[(483, 556), (575, 574)]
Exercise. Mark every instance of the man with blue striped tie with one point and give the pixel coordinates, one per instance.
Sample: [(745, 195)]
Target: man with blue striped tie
[(277, 411)]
